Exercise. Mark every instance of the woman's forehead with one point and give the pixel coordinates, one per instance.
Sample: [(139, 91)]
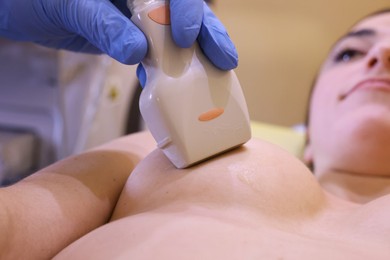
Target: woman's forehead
[(379, 22)]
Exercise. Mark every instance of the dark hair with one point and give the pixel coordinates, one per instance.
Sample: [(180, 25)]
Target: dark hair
[(314, 82)]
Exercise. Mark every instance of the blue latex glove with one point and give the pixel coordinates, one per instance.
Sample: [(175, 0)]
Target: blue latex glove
[(96, 26), (91, 26)]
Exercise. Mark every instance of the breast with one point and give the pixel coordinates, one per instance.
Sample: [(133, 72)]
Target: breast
[(258, 175), (256, 202)]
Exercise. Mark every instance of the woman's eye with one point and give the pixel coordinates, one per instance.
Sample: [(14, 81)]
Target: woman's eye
[(347, 55)]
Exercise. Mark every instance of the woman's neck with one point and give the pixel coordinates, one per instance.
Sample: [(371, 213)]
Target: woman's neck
[(354, 187)]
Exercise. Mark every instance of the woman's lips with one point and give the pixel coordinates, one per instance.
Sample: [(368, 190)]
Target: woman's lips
[(369, 84)]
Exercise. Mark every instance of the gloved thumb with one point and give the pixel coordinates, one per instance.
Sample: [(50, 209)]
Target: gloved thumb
[(103, 25), (141, 75)]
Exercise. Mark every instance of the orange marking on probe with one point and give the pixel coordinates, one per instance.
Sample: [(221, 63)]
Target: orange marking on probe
[(211, 114), (161, 15)]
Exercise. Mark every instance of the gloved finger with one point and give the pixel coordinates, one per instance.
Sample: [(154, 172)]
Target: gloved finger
[(216, 43), (186, 20), (76, 43), (141, 75), (102, 24)]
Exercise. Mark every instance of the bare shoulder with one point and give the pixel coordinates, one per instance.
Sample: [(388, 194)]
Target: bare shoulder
[(67, 199)]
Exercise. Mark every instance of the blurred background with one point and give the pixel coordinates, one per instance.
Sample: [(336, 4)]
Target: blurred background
[(56, 103)]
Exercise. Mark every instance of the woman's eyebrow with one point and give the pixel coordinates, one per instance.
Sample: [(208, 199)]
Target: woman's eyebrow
[(359, 33), (362, 33)]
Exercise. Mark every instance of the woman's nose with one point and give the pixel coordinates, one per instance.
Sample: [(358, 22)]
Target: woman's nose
[(380, 57)]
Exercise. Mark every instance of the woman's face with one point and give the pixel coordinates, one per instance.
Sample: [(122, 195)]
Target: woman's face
[(349, 128)]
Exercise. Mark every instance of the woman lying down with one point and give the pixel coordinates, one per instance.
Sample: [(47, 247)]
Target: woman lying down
[(255, 202)]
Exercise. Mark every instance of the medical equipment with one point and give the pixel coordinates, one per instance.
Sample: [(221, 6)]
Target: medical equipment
[(193, 110), (54, 104)]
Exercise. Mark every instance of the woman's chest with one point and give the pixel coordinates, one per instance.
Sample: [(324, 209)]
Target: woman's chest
[(203, 233)]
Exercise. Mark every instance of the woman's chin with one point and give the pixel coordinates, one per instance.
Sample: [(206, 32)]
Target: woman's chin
[(361, 145)]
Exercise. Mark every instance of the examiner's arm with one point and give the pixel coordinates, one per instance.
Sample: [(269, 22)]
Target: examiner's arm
[(43, 213)]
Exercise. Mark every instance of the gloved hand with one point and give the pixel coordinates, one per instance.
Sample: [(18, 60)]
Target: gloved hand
[(96, 26), (199, 22)]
